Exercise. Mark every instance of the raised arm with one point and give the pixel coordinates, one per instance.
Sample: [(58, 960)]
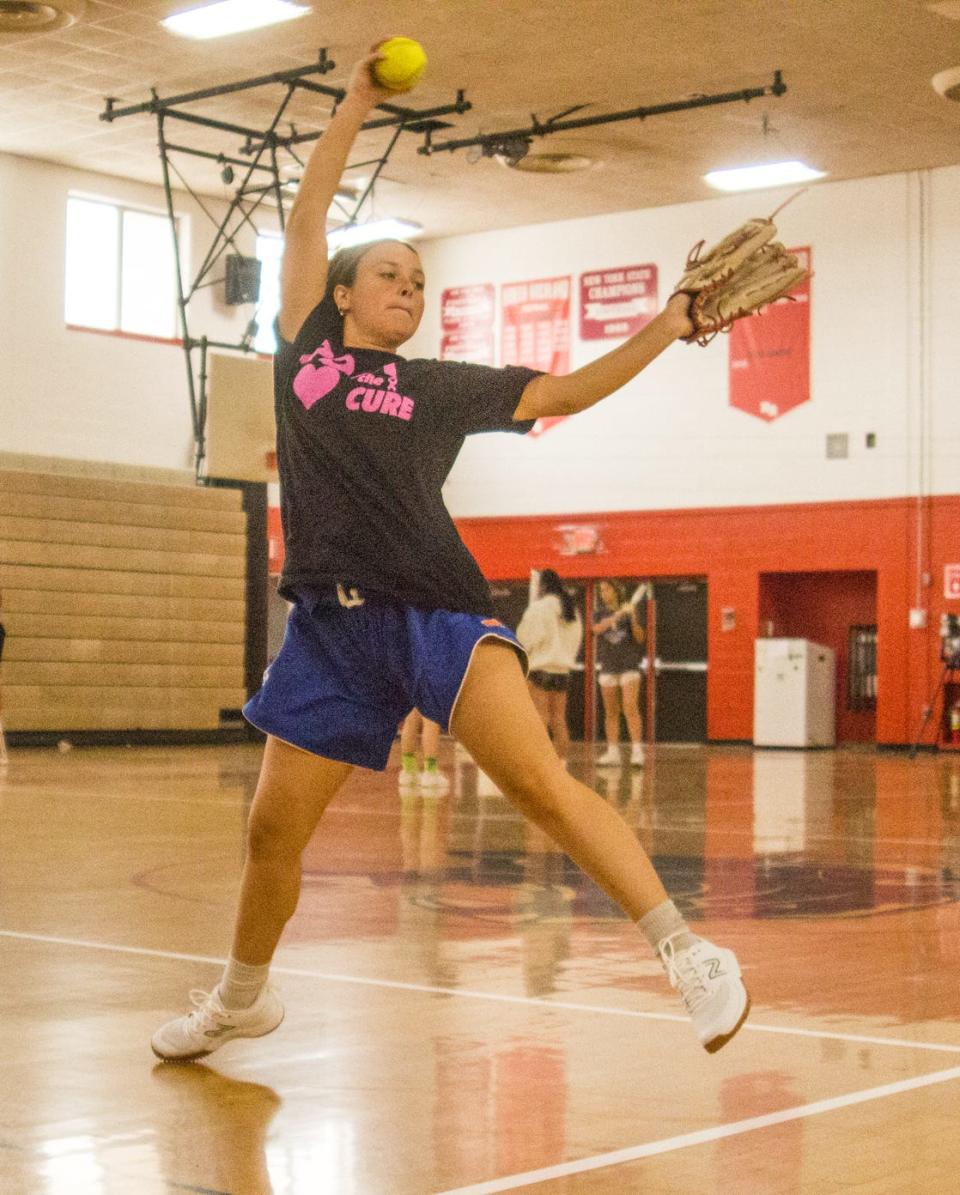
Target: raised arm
[(550, 394), (304, 275)]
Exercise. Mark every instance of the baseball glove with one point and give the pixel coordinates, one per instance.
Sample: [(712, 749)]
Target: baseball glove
[(738, 276), (706, 271)]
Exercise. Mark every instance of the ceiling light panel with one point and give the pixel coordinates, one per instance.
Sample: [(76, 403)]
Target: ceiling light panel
[(232, 16), (772, 174), (389, 228)]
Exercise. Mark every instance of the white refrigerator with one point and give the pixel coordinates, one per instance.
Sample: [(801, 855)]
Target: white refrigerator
[(794, 694)]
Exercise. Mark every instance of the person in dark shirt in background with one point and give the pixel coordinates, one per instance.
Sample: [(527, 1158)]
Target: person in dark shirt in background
[(620, 631)]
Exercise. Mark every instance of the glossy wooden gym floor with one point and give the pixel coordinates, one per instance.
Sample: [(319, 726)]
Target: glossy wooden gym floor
[(465, 1013)]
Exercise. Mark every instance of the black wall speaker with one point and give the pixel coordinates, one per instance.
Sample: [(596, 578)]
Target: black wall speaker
[(243, 280)]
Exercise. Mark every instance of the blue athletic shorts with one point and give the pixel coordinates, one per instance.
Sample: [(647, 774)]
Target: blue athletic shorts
[(352, 667)]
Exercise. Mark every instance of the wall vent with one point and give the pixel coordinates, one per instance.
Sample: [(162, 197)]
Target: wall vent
[(838, 446)]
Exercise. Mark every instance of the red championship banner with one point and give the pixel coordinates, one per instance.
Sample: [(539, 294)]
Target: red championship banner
[(617, 303), (466, 320), (468, 344), (536, 329), (770, 354)]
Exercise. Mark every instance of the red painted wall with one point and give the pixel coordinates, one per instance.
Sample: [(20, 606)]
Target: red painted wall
[(905, 542), (731, 547)]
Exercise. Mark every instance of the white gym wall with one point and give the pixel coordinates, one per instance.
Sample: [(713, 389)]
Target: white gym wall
[(84, 394), (670, 439), (884, 354)]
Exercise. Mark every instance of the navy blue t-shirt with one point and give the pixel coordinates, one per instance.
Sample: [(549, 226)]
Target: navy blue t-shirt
[(617, 650), (365, 441)]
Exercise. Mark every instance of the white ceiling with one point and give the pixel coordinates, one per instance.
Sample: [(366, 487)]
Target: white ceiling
[(859, 99)]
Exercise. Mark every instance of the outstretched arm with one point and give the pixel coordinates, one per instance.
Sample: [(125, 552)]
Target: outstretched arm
[(573, 392), (305, 247)]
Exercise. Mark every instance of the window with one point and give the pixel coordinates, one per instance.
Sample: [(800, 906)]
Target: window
[(862, 668), (120, 273), (270, 253)]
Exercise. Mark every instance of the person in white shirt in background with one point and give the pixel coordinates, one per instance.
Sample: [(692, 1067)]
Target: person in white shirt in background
[(551, 631)]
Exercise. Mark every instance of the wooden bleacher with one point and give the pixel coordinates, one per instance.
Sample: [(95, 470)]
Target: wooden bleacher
[(123, 600)]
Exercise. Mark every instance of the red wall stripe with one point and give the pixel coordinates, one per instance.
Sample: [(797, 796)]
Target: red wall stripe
[(731, 547)]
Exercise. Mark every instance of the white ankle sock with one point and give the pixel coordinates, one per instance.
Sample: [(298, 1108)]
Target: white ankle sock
[(242, 983), (663, 922)]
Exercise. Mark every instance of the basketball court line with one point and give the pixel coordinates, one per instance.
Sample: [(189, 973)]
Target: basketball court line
[(619, 1157), (471, 994)]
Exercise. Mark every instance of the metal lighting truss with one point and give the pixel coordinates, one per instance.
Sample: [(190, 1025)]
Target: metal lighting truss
[(514, 144), (261, 157), (260, 154)]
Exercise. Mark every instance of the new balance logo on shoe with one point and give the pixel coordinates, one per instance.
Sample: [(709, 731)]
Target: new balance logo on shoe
[(708, 980)]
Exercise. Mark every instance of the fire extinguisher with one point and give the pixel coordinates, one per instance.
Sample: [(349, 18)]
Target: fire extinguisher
[(955, 722)]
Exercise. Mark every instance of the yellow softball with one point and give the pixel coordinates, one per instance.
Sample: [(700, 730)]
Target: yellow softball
[(402, 64)]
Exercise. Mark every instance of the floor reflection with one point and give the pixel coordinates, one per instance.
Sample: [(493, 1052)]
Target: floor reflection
[(212, 1130), (462, 1004), (747, 834)]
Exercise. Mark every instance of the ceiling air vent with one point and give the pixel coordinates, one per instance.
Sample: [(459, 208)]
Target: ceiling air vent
[(549, 155), (551, 163), (25, 16)]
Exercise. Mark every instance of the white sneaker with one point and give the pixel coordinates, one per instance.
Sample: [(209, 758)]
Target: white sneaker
[(637, 758), (433, 784), (610, 758), (407, 782), (211, 1025), (708, 980)]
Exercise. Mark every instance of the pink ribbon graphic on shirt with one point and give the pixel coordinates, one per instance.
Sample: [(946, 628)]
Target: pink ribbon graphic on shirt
[(313, 381)]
